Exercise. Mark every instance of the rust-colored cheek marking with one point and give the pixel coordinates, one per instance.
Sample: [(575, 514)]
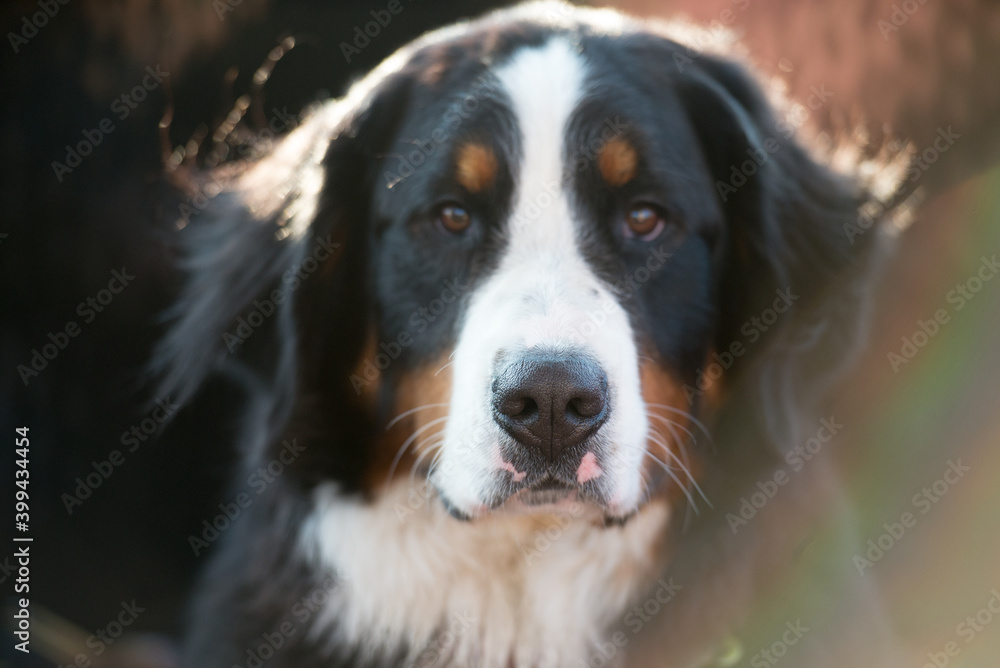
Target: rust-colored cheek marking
[(477, 167), (617, 162), (660, 388), (415, 389)]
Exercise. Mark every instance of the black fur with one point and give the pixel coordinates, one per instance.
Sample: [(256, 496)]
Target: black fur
[(694, 115)]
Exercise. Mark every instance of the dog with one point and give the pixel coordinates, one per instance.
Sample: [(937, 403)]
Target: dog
[(525, 327)]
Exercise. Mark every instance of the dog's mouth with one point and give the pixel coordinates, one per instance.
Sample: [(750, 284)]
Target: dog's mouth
[(547, 491), (549, 494)]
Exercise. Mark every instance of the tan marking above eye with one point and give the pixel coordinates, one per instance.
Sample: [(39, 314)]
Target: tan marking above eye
[(477, 167), (617, 162)]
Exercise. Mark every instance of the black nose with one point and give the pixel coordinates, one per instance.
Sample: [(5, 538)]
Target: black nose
[(550, 402)]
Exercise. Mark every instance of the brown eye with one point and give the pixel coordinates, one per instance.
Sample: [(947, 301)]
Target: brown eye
[(453, 218), (644, 222)]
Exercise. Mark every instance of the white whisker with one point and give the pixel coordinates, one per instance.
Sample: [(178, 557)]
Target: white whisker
[(670, 424), (680, 463), (410, 412), (411, 439), (666, 467), (687, 415), (432, 444)]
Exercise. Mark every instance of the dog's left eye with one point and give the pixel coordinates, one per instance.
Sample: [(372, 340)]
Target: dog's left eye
[(453, 219), (644, 222)]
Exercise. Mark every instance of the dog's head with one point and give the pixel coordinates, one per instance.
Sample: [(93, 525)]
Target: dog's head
[(521, 256)]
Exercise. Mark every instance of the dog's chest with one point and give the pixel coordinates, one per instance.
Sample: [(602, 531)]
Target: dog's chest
[(502, 590)]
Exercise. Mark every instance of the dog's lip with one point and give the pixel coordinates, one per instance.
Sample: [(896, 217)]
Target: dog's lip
[(540, 484), (547, 495), (545, 492), (551, 483)]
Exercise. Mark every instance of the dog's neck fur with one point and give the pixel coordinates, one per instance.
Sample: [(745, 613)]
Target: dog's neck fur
[(524, 590)]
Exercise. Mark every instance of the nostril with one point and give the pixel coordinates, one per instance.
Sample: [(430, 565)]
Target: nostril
[(529, 409), (550, 402), (585, 407), (514, 406)]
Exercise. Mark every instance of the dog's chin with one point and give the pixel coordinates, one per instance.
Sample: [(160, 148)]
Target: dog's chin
[(546, 498)]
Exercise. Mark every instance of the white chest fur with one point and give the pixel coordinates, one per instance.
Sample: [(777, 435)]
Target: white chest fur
[(525, 590)]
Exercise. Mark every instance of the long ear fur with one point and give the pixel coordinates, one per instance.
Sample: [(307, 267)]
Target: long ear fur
[(785, 231), (787, 216), (273, 267)]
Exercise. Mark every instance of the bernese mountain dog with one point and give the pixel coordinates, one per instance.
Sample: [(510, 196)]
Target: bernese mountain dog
[(531, 329)]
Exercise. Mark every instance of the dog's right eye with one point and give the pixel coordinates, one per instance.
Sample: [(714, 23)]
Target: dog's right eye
[(453, 219)]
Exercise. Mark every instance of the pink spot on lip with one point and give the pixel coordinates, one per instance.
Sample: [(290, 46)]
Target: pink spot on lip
[(507, 466), (589, 468), (518, 475)]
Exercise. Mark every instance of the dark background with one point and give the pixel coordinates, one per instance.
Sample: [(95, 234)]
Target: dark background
[(62, 240)]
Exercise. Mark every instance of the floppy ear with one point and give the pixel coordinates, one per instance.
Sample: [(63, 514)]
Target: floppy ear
[(787, 217), (274, 266)]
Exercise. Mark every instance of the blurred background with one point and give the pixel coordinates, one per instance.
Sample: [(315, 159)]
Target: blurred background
[(104, 104)]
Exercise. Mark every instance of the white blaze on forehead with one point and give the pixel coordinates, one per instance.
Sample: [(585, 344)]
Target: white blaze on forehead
[(545, 86), (543, 293)]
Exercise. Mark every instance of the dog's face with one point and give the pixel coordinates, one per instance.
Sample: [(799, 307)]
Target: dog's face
[(557, 243), (547, 227)]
